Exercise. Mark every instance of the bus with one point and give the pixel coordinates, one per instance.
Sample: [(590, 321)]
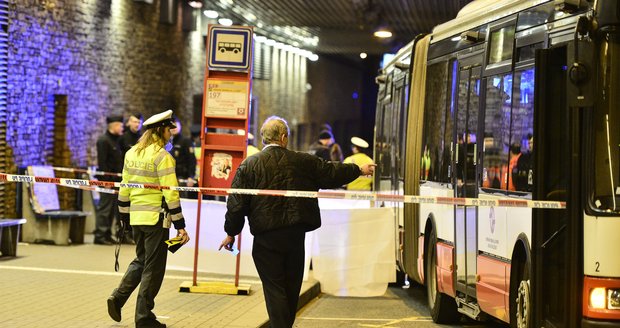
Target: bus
[(518, 100)]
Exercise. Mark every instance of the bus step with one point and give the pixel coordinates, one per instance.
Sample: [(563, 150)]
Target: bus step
[(469, 309)]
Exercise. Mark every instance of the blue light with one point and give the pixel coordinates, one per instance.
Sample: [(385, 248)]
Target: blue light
[(355, 95)]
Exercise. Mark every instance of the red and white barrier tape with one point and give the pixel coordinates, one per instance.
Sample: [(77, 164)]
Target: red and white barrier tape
[(94, 172), (88, 171), (351, 195)]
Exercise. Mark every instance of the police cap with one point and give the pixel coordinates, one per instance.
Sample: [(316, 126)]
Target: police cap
[(359, 142), (161, 119)]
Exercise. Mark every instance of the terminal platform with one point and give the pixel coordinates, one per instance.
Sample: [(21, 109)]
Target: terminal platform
[(67, 286)]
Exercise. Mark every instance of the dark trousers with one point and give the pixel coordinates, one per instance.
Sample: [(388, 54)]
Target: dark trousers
[(279, 259), (147, 270), (106, 212)]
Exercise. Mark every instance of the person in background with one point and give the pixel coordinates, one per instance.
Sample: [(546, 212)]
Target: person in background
[(149, 212), (109, 159), (132, 132), (360, 159), (183, 153), (251, 148), (279, 224), (326, 147), (524, 176)]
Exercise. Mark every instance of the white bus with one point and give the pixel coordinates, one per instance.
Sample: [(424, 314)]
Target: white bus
[(513, 99)]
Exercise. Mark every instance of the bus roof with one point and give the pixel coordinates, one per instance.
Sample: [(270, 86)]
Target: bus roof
[(402, 53), (480, 12)]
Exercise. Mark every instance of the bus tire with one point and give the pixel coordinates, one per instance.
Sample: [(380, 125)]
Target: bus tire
[(443, 307), (520, 295)]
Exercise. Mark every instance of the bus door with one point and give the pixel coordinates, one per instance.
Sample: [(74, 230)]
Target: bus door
[(466, 177), (557, 234), (400, 96)]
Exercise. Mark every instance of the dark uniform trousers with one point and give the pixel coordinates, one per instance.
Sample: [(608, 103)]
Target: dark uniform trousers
[(146, 270), (106, 213), (279, 259)]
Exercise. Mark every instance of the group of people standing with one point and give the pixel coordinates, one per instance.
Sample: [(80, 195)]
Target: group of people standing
[(327, 148), (279, 224), (112, 147)]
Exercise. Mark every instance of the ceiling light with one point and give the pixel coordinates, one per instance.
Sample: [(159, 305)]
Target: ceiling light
[(363, 55), (195, 3), (383, 33), (211, 13), (249, 16), (225, 21), (314, 57)]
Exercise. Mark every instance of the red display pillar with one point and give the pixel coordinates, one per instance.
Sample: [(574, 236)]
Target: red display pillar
[(225, 111)]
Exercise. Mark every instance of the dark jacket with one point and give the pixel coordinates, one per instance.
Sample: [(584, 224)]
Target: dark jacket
[(278, 168), (183, 153), (128, 140), (109, 156)]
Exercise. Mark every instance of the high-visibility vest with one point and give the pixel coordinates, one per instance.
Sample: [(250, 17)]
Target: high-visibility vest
[(361, 183), (154, 165)]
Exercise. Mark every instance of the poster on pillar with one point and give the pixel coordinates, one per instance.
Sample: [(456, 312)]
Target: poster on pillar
[(227, 98)]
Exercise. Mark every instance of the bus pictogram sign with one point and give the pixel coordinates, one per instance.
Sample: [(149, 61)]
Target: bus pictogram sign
[(229, 48)]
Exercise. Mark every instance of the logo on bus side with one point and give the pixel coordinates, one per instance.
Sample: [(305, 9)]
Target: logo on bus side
[(492, 219)]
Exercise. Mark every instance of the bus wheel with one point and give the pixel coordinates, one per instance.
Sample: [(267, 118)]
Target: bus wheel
[(443, 307), (521, 309)]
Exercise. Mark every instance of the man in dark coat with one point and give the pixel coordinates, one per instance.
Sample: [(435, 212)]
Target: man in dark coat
[(109, 159), (132, 133), (279, 224), (326, 147)]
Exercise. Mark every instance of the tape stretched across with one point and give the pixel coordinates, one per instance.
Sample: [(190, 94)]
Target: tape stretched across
[(333, 194)]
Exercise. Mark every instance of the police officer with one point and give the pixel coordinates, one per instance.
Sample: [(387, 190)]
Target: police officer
[(183, 153), (110, 159), (150, 213), (360, 159)]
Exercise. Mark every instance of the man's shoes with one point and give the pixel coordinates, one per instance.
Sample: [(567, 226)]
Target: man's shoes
[(113, 309), (103, 242), (150, 324), (127, 239)]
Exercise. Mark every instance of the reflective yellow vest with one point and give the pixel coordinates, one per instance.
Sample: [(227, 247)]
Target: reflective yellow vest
[(154, 165), (363, 182)]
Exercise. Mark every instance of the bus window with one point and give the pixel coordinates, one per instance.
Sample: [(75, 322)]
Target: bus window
[(520, 174), (402, 133), (496, 132), (433, 148), (607, 135), (385, 139)]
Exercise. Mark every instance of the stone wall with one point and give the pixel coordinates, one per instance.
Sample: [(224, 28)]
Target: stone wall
[(115, 57)]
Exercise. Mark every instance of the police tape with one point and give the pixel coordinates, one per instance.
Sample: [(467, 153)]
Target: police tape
[(95, 172), (331, 194), (87, 171)]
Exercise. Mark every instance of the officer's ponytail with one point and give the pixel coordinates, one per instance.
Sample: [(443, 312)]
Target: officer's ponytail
[(151, 136)]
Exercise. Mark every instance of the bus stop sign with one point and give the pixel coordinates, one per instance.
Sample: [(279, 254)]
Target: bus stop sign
[(229, 48)]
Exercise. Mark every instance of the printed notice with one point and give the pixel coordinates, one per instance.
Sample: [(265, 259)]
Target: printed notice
[(227, 98)]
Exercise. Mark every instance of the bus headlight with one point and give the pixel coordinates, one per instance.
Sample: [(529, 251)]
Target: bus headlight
[(613, 299), (597, 298)]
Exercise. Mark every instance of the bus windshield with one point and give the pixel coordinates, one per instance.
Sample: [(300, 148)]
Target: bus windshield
[(607, 128)]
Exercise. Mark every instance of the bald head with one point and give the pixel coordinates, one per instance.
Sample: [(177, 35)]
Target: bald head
[(274, 130)]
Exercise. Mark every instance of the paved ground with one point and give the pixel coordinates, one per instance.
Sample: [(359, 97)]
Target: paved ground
[(67, 286), (398, 308)]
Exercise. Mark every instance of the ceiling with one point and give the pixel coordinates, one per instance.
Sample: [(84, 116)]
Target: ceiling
[(341, 27)]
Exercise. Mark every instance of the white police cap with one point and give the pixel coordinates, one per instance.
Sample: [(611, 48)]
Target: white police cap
[(161, 119), (359, 142)]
